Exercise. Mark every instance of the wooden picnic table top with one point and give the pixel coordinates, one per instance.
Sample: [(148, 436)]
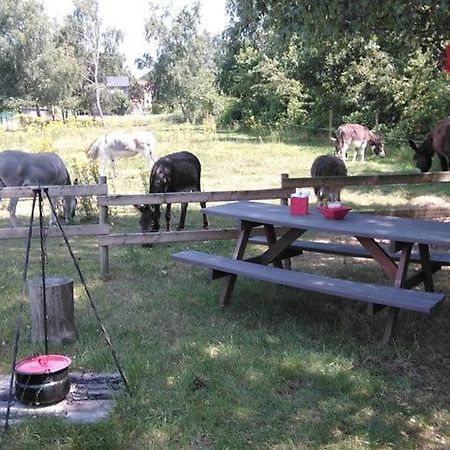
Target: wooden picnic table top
[(429, 232)]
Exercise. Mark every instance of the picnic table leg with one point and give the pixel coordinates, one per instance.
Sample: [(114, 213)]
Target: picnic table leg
[(271, 237), (383, 260), (230, 280), (427, 271), (399, 281)]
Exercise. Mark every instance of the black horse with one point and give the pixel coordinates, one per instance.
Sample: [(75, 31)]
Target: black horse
[(177, 172), (437, 142)]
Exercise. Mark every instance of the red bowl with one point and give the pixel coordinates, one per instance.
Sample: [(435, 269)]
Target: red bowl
[(334, 213)]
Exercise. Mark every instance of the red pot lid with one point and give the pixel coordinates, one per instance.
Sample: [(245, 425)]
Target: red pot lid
[(41, 364)]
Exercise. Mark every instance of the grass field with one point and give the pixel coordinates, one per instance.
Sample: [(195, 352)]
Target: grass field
[(279, 369)]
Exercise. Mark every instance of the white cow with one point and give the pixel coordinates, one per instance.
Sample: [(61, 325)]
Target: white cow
[(350, 136), (117, 144)]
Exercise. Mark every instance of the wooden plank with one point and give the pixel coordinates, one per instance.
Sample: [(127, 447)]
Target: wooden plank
[(175, 236), (191, 197), (415, 213), (365, 180), (53, 232), (357, 251), (164, 237), (76, 189), (384, 295)]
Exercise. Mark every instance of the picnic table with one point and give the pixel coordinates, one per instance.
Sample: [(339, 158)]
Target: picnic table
[(369, 231)]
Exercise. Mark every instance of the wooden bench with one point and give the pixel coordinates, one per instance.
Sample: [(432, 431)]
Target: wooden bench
[(413, 300), (396, 298), (299, 246)]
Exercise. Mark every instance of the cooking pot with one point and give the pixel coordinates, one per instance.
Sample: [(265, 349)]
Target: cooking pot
[(42, 379)]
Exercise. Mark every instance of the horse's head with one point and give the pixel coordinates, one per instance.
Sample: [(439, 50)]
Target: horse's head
[(150, 215), (423, 154), (378, 147), (69, 207)]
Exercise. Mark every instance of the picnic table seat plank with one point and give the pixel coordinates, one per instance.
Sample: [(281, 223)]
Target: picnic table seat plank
[(357, 251), (413, 300)]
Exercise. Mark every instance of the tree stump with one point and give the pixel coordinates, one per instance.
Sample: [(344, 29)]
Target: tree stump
[(60, 310)]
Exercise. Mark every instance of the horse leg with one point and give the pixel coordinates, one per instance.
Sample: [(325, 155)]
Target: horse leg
[(168, 215), (12, 212), (362, 152), (205, 217), (53, 220), (103, 164), (344, 152), (444, 162), (183, 216), (113, 167)]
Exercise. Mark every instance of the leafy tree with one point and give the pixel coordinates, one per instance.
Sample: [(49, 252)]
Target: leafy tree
[(95, 48), (351, 57), (32, 66), (184, 69)]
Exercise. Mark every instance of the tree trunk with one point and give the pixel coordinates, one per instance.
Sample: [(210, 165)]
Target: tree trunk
[(59, 306)]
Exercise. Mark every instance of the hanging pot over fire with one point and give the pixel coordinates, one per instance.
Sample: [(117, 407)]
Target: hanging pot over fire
[(42, 379)]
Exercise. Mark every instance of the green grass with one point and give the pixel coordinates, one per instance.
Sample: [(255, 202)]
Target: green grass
[(278, 369)]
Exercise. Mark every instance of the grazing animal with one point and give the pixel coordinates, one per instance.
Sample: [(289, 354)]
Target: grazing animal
[(328, 166), (438, 142), (117, 144), (18, 168), (355, 137), (177, 172)]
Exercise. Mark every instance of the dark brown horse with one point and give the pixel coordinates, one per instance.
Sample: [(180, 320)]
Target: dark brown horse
[(177, 172), (437, 142), (328, 166)]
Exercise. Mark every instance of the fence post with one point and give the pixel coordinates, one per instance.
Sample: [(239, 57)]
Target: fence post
[(284, 201), (104, 250), (377, 120), (330, 124)]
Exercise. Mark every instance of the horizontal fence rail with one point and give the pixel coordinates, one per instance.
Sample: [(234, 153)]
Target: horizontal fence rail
[(366, 180), (175, 236), (191, 197), (55, 191), (53, 231)]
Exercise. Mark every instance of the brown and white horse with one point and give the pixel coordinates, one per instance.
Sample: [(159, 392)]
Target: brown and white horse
[(438, 142), (352, 136)]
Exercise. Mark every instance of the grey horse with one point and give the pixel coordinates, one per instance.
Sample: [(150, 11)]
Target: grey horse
[(18, 168)]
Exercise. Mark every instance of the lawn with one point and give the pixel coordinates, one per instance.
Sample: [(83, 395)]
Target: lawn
[(278, 369)]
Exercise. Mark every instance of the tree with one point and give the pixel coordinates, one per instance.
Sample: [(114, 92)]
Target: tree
[(351, 57), (184, 69), (33, 67), (96, 49)]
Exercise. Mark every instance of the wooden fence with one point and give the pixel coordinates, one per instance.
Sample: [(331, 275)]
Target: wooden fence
[(108, 239)]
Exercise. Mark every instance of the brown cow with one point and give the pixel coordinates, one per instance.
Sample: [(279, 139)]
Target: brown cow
[(437, 142), (356, 137)]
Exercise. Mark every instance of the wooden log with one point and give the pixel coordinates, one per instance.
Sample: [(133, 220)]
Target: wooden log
[(59, 307)]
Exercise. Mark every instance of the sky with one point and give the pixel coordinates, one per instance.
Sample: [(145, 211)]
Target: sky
[(130, 15)]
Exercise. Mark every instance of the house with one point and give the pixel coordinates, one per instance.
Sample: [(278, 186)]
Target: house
[(122, 83)]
